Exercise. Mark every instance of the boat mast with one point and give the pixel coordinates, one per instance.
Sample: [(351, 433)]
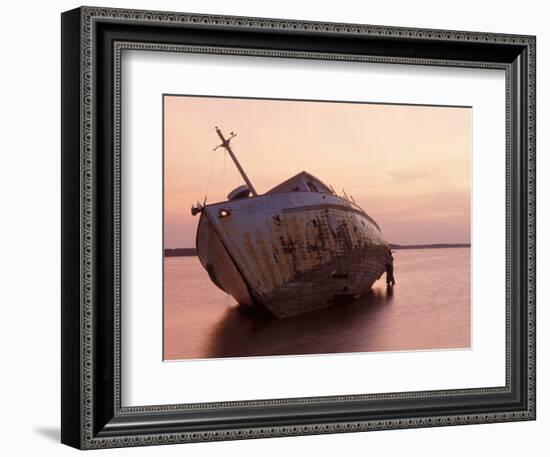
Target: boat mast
[(225, 145)]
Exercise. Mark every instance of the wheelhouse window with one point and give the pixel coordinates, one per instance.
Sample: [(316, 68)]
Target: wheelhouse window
[(312, 187)]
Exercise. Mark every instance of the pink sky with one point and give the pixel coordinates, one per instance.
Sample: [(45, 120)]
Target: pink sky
[(408, 167)]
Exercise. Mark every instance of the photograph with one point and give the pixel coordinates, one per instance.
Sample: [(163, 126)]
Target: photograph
[(302, 227)]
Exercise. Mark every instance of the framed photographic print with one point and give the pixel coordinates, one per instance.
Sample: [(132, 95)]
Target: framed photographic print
[(274, 227)]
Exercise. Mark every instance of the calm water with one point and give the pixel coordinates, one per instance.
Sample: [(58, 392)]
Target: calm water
[(429, 308)]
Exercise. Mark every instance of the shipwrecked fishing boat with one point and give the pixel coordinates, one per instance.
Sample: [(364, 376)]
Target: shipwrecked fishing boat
[(295, 248)]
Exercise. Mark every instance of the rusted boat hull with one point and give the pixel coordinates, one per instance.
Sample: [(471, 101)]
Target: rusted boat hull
[(290, 253)]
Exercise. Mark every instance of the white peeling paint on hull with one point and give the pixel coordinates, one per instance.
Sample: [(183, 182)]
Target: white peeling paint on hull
[(291, 252), (220, 267)]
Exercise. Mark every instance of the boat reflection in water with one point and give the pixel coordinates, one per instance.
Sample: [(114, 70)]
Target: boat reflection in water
[(326, 330)]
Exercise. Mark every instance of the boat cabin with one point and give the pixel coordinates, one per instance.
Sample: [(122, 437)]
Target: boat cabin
[(302, 182)]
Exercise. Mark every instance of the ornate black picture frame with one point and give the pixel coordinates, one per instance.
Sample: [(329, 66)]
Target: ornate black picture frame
[(92, 42)]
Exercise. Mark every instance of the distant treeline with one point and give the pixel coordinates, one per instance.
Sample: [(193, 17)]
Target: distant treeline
[(430, 246), (181, 252), (178, 252)]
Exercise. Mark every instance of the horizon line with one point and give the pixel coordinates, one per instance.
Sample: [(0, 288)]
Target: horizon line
[(392, 246)]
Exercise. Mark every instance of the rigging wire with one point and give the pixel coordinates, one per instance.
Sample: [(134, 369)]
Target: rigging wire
[(223, 180), (213, 161)]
